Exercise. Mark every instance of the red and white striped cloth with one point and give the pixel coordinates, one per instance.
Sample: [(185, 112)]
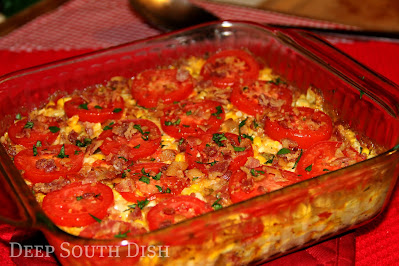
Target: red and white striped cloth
[(81, 24)]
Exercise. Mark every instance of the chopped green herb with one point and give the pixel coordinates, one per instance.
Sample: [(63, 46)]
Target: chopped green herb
[(29, 124), (108, 127), (141, 204), (98, 107), (137, 146), (144, 135), (38, 143), (34, 150), (245, 88), (219, 111), (216, 205), (283, 151), (123, 158), (238, 148), (62, 154), (309, 168), (159, 188), (361, 94), (77, 152), (79, 198), (277, 81), (186, 126), (218, 138), (122, 235), (256, 172), (85, 142), (18, 116), (157, 176), (83, 106), (297, 160), (181, 141), (245, 136), (189, 113), (117, 110), (255, 124), (326, 170), (95, 218), (145, 179), (54, 129), (270, 160)]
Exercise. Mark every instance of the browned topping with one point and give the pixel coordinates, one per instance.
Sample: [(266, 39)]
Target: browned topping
[(48, 165)]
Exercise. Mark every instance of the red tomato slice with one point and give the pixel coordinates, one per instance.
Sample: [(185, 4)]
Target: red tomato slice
[(228, 67), (49, 163), (192, 118), (303, 125), (219, 152), (326, 156), (132, 139), (111, 229), (258, 181), (259, 96), (99, 109), (175, 210), (78, 204), (28, 133), (150, 183), (161, 85)]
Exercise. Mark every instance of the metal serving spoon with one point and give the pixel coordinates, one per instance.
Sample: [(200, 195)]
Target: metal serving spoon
[(168, 15)]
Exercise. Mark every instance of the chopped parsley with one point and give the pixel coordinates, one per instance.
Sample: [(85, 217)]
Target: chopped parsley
[(117, 110), (245, 136), (242, 123), (283, 151), (309, 168), (361, 94), (218, 138), (108, 127), (216, 205), (219, 111), (122, 235), (123, 158), (297, 160), (270, 160), (160, 189), (137, 146), (326, 170), (34, 150), (38, 143), (77, 152), (18, 116), (257, 172), (144, 135), (95, 218), (83, 143), (170, 123), (140, 203), (189, 113), (145, 179), (255, 124), (98, 107), (277, 81), (83, 106), (54, 129), (29, 124), (62, 154), (79, 198), (157, 176), (211, 163), (238, 148)]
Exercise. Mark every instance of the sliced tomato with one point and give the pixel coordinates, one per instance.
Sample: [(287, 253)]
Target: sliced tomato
[(44, 164), (95, 108), (189, 118), (174, 210), (151, 183), (258, 181), (255, 97), (27, 133), (303, 125), (161, 85), (228, 67), (219, 152), (78, 204), (132, 139), (111, 229), (326, 156)]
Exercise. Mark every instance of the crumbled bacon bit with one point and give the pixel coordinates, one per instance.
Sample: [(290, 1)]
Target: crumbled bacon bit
[(48, 165), (54, 185)]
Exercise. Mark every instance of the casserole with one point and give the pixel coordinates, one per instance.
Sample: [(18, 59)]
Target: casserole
[(353, 195)]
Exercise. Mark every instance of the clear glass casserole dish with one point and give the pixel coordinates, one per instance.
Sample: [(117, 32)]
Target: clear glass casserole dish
[(292, 217)]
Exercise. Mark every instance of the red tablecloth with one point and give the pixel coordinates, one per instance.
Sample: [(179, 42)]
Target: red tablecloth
[(43, 40)]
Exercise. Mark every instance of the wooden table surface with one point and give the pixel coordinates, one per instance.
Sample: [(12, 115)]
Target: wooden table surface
[(368, 14)]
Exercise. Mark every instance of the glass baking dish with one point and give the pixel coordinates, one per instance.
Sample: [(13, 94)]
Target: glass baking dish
[(258, 229)]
